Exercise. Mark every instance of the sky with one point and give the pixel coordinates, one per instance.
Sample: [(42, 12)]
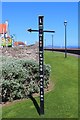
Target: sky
[(39, 0), (24, 15)]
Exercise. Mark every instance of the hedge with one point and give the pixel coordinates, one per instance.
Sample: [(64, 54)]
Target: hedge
[(20, 78)]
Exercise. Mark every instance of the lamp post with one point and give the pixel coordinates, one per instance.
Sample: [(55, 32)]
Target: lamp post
[(45, 43), (65, 24), (52, 43)]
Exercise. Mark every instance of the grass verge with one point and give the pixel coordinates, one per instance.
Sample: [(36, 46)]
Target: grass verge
[(62, 101)]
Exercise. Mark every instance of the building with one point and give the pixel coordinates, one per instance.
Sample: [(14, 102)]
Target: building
[(5, 39), (19, 43)]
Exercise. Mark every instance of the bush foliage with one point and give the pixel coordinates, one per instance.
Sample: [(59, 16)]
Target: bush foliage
[(20, 78)]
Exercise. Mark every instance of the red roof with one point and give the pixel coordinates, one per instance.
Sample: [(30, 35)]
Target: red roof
[(3, 28), (19, 43)]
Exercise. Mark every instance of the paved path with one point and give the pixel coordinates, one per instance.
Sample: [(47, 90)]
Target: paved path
[(78, 56)]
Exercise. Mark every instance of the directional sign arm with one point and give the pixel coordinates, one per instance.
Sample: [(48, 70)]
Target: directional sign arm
[(30, 30), (50, 31)]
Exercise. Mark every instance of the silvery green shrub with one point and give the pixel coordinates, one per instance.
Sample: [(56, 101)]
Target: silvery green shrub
[(20, 78)]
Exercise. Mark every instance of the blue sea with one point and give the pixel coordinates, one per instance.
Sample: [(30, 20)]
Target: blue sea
[(50, 46)]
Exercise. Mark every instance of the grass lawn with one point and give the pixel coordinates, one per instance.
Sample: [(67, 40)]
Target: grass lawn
[(62, 101)]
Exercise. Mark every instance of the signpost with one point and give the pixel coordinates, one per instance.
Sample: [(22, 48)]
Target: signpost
[(41, 60)]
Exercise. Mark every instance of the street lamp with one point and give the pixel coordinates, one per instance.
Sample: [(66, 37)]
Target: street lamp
[(52, 43), (45, 43), (65, 24)]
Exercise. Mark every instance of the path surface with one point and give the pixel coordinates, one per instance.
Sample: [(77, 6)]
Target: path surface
[(78, 56)]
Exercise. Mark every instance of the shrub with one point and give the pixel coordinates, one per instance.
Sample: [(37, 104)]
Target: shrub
[(20, 78)]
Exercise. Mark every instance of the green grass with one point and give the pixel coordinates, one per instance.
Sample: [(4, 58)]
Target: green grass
[(62, 101)]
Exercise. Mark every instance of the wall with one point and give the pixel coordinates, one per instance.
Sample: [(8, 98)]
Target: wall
[(22, 52)]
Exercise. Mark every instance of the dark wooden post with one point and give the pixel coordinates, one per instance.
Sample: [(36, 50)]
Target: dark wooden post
[(41, 64)]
